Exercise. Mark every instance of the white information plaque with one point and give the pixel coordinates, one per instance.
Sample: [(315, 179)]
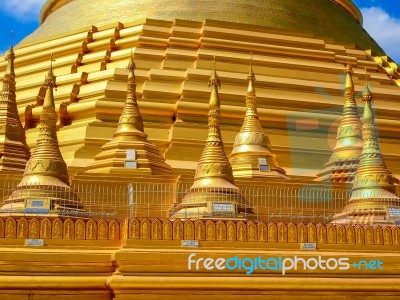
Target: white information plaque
[(223, 207), (308, 246), (190, 243), (34, 242), (131, 154), (131, 165)]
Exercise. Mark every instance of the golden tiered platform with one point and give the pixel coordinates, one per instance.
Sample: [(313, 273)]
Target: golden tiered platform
[(141, 248)]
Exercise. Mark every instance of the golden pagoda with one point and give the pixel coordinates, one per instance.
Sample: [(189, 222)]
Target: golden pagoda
[(172, 50), (251, 155), (373, 194), (129, 151), (159, 245), (343, 162), (213, 193), (14, 152), (45, 187)]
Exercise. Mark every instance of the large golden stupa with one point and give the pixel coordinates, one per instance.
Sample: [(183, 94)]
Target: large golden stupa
[(159, 209)]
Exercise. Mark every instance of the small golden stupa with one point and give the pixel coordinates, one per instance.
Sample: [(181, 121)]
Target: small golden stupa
[(373, 193), (129, 151), (14, 152), (213, 193), (45, 187), (343, 162), (251, 155)]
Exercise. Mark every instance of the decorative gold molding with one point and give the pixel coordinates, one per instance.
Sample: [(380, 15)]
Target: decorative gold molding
[(57, 228), (265, 232)]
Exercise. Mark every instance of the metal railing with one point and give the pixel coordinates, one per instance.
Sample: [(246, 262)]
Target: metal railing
[(311, 203)]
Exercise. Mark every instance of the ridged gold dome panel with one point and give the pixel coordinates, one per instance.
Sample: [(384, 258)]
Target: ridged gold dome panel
[(339, 20)]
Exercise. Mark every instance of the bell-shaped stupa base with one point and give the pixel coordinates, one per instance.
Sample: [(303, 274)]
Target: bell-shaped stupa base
[(49, 196), (113, 159), (213, 198), (370, 206), (256, 165), (339, 170)]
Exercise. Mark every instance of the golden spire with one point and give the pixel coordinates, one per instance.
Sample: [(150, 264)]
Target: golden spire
[(46, 175), (349, 85), (213, 162), (46, 162), (251, 155), (215, 83), (49, 85), (130, 137), (14, 152), (368, 115), (131, 120), (251, 90), (251, 121), (373, 189), (214, 187), (343, 162)]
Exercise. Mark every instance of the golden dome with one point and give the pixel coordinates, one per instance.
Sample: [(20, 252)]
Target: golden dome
[(329, 19)]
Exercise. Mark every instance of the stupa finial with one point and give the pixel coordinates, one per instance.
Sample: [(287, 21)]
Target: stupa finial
[(131, 67), (349, 85), (11, 50), (10, 57), (50, 79), (368, 115), (131, 120), (11, 38), (214, 80), (50, 84), (215, 83), (366, 95), (251, 76)]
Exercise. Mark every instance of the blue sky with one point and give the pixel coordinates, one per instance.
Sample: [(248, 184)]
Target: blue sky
[(381, 20)]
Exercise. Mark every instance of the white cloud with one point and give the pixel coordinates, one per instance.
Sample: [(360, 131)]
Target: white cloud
[(384, 29), (27, 10)]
